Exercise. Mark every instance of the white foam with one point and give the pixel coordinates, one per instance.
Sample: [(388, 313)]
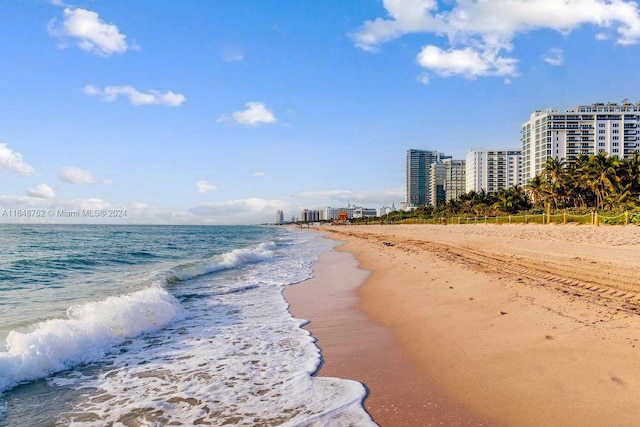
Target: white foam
[(234, 358), (86, 335), (233, 259)]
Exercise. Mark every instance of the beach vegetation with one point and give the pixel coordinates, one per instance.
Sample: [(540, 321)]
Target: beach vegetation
[(565, 191)]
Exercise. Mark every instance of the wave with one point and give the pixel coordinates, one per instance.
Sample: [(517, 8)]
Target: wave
[(92, 330), (89, 332), (226, 261)]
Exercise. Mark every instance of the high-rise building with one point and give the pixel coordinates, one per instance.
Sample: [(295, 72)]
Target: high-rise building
[(436, 194), (493, 170), (590, 129), (419, 175), (454, 179), (310, 215), (279, 217)]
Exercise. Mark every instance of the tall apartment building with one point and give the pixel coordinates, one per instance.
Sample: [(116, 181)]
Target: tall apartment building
[(493, 170), (436, 193), (310, 215), (419, 185), (613, 129), (279, 217), (455, 183)]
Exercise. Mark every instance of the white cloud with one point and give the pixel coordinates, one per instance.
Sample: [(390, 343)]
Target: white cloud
[(241, 211), (92, 34), (204, 187), (12, 160), (255, 114), (42, 191), (260, 174), (233, 57), (479, 32), (153, 97), (423, 78), (405, 16), (89, 211), (339, 198), (554, 56), (466, 62), (75, 175)]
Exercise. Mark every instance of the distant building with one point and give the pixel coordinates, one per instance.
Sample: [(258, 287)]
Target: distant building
[(386, 210), (455, 183), (613, 129), (279, 217), (364, 213), (309, 215), (436, 194), (419, 176), (329, 213), (493, 170)]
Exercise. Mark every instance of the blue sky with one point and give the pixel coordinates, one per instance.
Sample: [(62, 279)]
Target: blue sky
[(222, 112)]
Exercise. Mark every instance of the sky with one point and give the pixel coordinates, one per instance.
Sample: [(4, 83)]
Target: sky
[(225, 111)]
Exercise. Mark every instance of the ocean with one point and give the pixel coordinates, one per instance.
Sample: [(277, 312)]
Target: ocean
[(161, 326)]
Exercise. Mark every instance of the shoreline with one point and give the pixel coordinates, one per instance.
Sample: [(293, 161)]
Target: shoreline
[(355, 347), (517, 324)]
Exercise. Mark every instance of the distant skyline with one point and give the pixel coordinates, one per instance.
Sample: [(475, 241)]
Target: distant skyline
[(225, 112)]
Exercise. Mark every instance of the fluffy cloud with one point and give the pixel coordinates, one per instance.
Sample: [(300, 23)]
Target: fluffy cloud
[(466, 62), (204, 187), (241, 211), (238, 211), (55, 209), (75, 175), (42, 191), (153, 97), (554, 56), (405, 16), (255, 114), (480, 32), (90, 32), (12, 161), (260, 174)]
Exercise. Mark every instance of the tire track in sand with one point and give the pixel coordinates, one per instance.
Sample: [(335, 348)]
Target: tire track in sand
[(579, 278)]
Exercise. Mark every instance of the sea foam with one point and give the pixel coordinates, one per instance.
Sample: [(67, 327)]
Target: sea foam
[(226, 261), (88, 333)]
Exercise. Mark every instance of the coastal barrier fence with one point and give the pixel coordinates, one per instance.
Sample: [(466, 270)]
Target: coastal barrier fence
[(593, 218)]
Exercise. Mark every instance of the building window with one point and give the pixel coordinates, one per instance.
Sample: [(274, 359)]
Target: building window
[(615, 131), (601, 131), (601, 125), (601, 138), (615, 125), (615, 138)]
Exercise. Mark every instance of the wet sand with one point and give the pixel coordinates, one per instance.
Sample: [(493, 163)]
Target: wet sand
[(524, 325)]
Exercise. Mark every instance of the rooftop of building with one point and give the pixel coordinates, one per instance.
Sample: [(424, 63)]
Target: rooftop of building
[(598, 107)]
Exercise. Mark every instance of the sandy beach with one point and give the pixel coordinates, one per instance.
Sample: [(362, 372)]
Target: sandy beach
[(520, 325)]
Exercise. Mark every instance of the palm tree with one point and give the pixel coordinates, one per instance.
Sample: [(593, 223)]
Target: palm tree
[(505, 202), (554, 173), (630, 174), (601, 176), (537, 190)]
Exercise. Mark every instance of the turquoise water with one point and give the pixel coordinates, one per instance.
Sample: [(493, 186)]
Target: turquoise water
[(157, 325)]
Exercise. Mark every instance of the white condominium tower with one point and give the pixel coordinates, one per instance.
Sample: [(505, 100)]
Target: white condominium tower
[(493, 170), (455, 183), (611, 128)]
